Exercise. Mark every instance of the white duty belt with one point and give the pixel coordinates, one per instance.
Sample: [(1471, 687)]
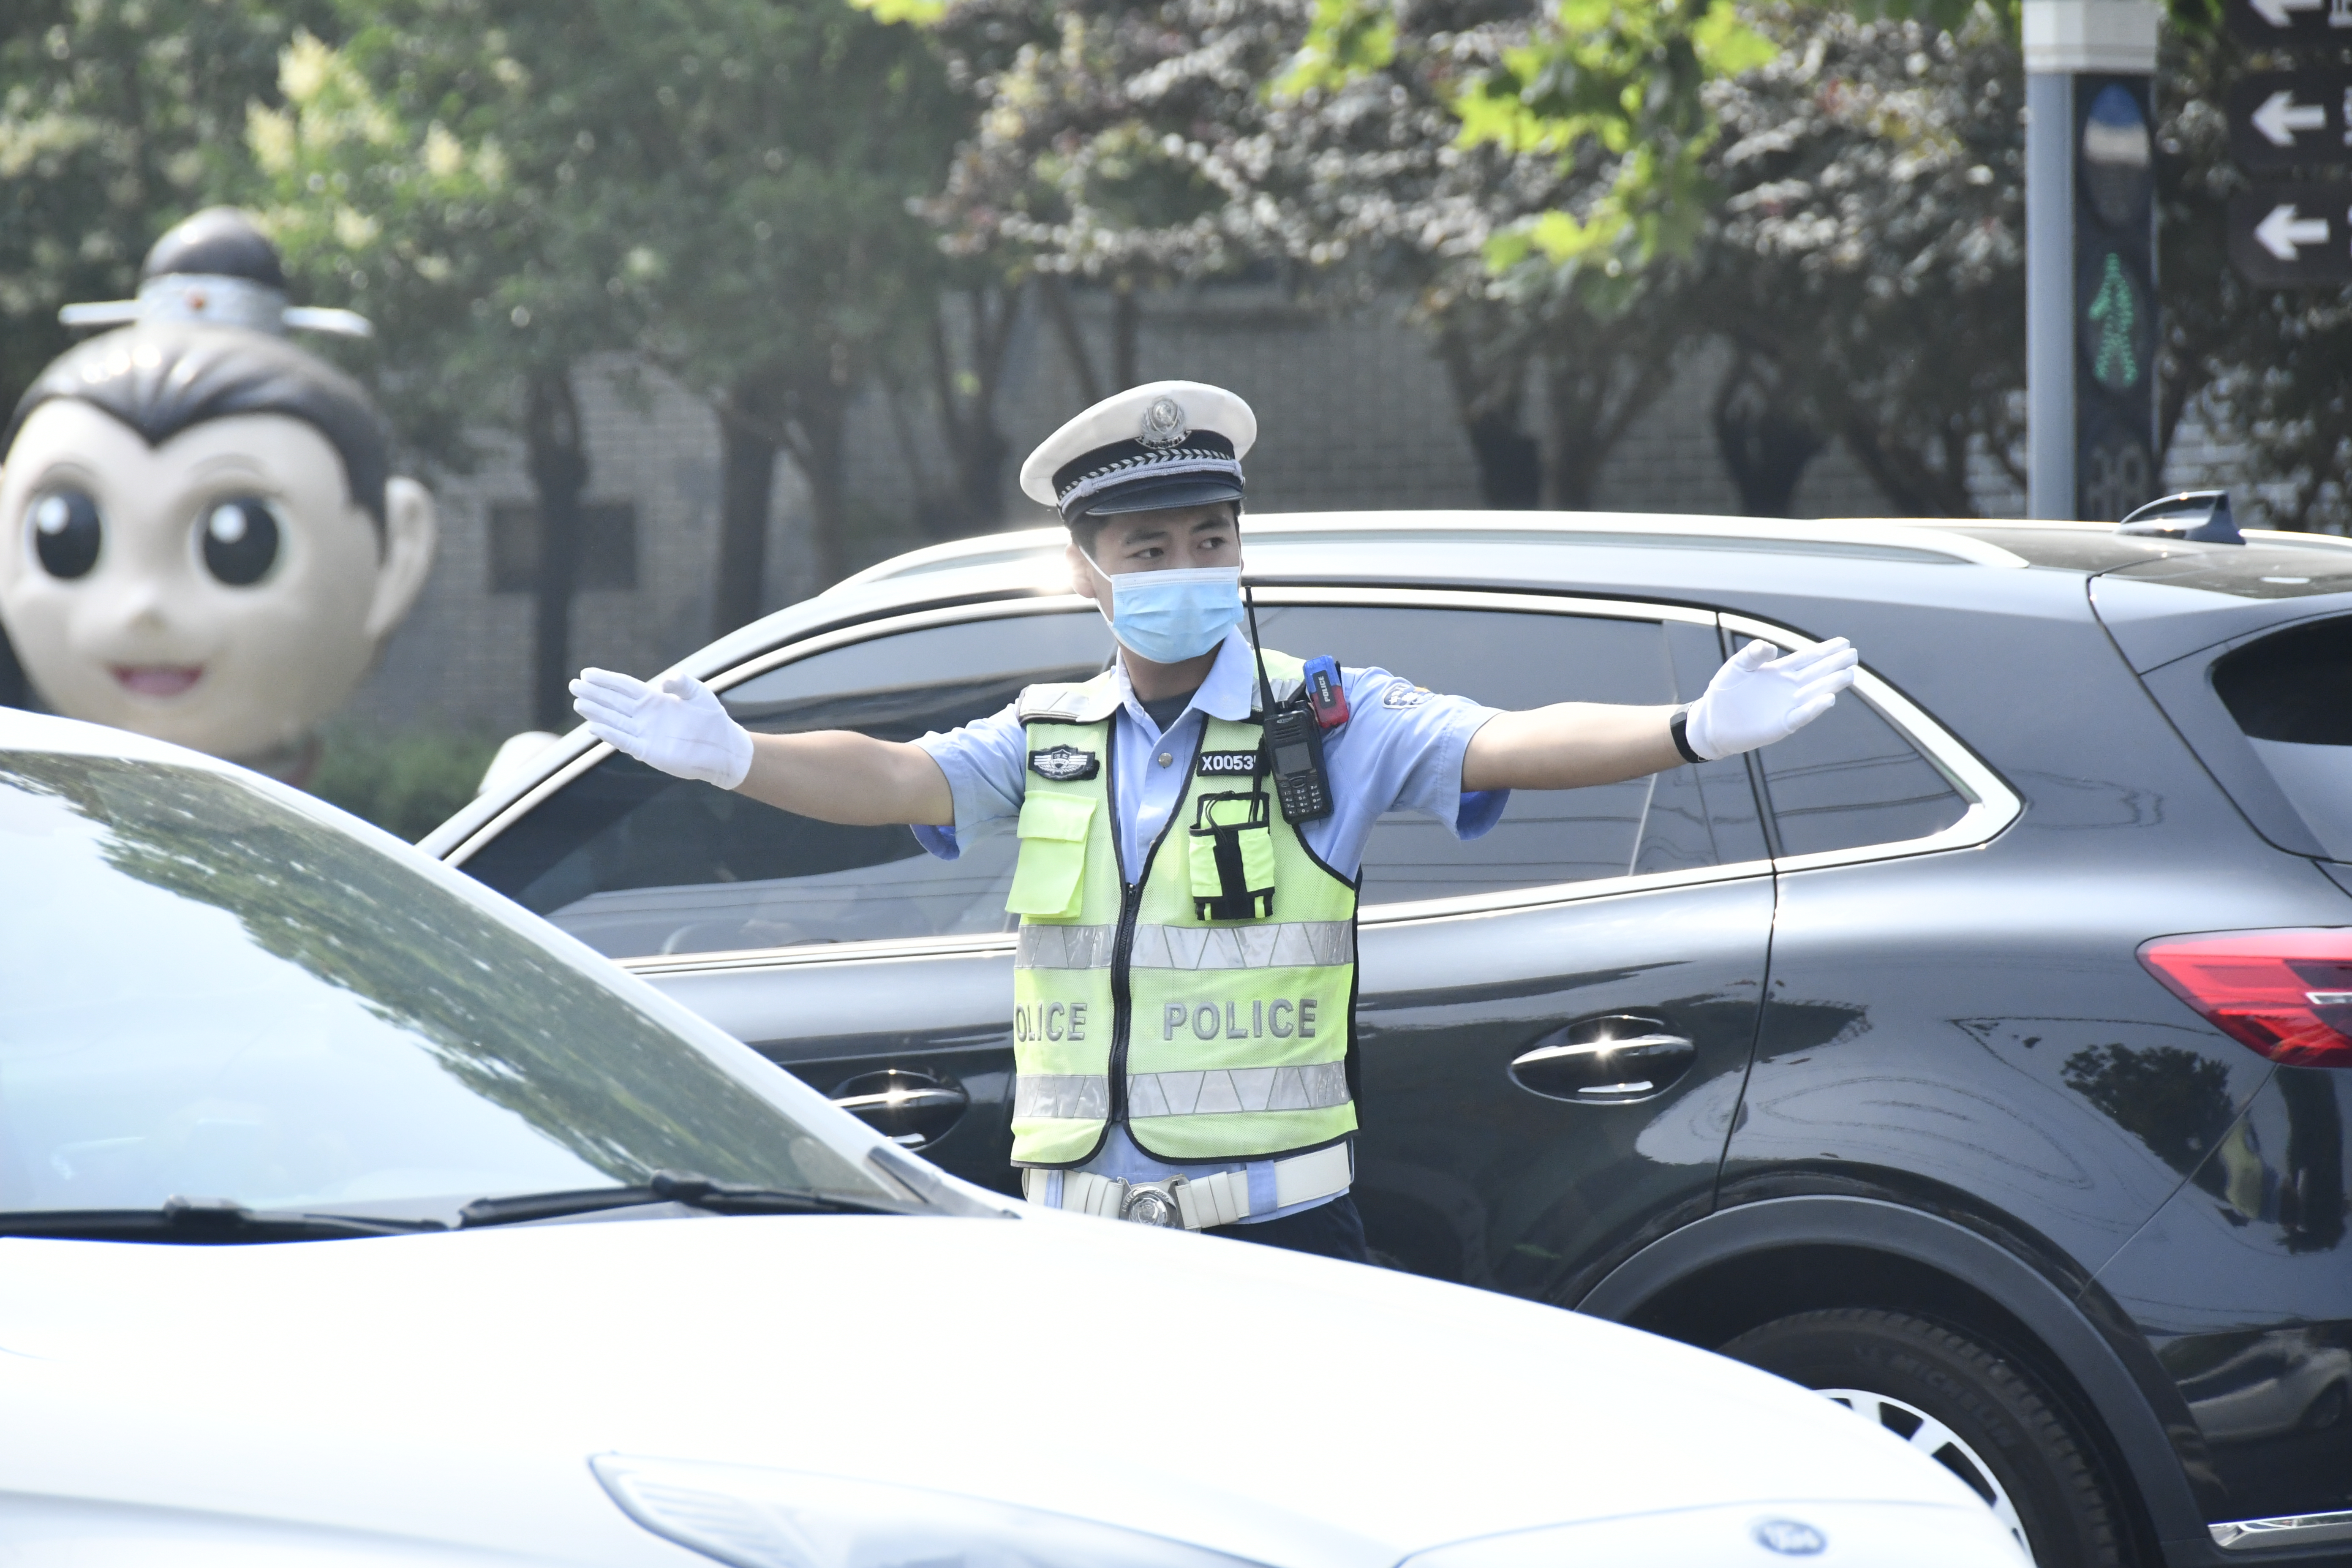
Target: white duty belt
[(1197, 1202)]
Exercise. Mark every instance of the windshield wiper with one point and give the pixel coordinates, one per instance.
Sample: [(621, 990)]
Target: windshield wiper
[(662, 1187), (201, 1221)]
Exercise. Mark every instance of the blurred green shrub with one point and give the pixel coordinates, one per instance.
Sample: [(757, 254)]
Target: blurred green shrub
[(405, 782)]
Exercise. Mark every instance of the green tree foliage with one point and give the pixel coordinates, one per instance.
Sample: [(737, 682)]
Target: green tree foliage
[(2264, 368), (1196, 139), (1099, 150), (406, 782), (1867, 259), (406, 202), (720, 188), (1626, 82), (117, 117), (770, 155), (447, 188)]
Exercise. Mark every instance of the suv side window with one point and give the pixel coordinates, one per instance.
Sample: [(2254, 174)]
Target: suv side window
[(2291, 694), (633, 862), (1850, 779), (1682, 819)]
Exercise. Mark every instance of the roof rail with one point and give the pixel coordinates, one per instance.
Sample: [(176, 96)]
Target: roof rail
[(1864, 536)]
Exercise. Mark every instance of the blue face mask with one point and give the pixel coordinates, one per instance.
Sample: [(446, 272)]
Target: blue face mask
[(1170, 617)]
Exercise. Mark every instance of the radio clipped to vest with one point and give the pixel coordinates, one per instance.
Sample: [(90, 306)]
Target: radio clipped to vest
[(1294, 734), (1232, 845), (1296, 740)]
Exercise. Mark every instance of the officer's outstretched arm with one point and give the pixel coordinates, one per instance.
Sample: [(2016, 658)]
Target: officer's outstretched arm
[(1753, 701), (835, 775)]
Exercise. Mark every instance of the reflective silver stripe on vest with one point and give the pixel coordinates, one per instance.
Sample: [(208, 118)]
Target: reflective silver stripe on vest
[(1303, 944), (1087, 1096), (1063, 1095)]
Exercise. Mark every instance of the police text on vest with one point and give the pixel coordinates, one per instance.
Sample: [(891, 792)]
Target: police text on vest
[(1281, 1017)]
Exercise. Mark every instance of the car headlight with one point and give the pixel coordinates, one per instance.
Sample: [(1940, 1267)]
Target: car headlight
[(753, 1517)]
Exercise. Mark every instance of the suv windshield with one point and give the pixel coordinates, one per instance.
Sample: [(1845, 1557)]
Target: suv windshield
[(2291, 693), (206, 993)]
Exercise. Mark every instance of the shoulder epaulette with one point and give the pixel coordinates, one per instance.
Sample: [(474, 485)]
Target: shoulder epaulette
[(1069, 702), (1285, 674)]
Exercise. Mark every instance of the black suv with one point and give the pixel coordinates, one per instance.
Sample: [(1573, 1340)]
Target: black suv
[(1979, 1057)]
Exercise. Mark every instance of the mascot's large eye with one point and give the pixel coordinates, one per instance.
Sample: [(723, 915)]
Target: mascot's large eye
[(240, 540), (67, 532)]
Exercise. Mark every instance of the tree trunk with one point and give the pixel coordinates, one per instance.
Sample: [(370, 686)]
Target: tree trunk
[(1125, 328), (1594, 390), (820, 424), (1764, 443), (1054, 290), (804, 416), (559, 473), (750, 432), (1917, 483), (965, 387), (1486, 401), (1572, 448)]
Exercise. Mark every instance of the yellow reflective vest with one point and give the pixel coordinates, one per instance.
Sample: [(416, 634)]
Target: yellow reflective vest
[(1207, 1004)]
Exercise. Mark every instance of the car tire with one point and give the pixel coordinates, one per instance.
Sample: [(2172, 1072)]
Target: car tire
[(1979, 1413)]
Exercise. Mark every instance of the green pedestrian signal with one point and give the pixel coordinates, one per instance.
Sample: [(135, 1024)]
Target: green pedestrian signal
[(2115, 462), (2115, 360)]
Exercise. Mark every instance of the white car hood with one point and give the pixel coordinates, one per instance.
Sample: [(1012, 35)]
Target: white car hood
[(1285, 1409)]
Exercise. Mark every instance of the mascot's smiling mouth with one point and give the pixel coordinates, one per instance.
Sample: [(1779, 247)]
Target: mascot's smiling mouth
[(158, 679)]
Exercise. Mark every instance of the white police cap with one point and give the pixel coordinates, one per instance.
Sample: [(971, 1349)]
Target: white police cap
[(1166, 444)]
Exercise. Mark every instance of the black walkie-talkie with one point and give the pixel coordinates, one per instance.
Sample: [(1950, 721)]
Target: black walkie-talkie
[(1294, 739)]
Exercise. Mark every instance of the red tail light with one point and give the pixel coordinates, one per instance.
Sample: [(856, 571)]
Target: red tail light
[(2286, 994)]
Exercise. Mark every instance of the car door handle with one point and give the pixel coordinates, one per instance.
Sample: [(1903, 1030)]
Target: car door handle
[(1602, 1062), (902, 1099), (910, 1109)]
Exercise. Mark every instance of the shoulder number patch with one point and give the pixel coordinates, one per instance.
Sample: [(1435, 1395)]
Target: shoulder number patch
[(1064, 765), (1227, 764)]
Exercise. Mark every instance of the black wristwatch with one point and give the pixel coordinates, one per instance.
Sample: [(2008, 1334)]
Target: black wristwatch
[(1679, 728)]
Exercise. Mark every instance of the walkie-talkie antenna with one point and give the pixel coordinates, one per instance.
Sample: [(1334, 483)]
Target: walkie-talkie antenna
[(1257, 651)]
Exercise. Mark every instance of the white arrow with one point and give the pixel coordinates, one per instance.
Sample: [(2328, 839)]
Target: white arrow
[(2283, 231), (2274, 12), (2280, 116)]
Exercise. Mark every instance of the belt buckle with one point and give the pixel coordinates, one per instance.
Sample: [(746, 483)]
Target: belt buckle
[(1152, 1202)]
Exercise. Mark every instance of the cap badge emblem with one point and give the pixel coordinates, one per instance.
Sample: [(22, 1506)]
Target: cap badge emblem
[(1789, 1537), (1163, 423)]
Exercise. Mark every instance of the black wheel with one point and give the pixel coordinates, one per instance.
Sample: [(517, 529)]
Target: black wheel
[(1983, 1417)]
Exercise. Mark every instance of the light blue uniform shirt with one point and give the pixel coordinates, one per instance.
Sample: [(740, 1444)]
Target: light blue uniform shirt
[(1401, 750)]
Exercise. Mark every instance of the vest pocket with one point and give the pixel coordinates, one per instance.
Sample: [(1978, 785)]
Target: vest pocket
[(1232, 858), (1048, 878)]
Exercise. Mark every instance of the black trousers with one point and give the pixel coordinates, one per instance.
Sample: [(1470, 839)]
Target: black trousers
[(1327, 1230)]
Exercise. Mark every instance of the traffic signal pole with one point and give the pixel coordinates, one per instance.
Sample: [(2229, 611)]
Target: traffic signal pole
[(2048, 283), (2090, 256)]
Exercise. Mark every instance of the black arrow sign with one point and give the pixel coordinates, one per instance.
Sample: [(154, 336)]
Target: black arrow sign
[(2281, 118), (2293, 23), (2293, 236)]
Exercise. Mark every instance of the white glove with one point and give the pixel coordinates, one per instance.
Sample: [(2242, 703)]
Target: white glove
[(1752, 702), (681, 728)]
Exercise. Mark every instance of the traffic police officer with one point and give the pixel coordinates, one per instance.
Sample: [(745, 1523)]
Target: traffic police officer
[(1190, 822)]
